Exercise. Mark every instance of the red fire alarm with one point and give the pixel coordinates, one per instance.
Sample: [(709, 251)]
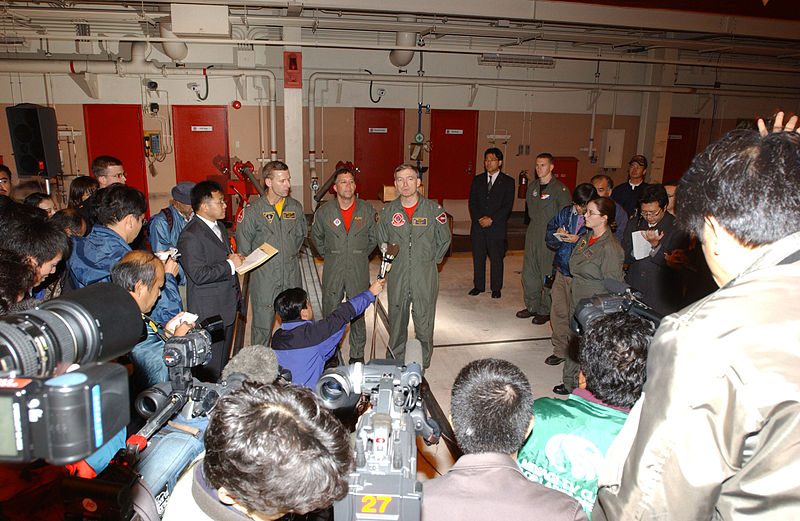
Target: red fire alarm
[(292, 70)]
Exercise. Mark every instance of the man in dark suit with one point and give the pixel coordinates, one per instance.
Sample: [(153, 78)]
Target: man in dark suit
[(490, 200), (212, 286)]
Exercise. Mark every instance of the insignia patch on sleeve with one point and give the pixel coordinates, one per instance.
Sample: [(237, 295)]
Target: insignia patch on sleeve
[(442, 218)]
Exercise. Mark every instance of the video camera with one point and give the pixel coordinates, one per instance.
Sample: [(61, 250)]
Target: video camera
[(383, 484), (45, 413), (622, 298)]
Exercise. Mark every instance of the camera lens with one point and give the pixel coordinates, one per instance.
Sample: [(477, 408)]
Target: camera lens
[(331, 390), (93, 324)]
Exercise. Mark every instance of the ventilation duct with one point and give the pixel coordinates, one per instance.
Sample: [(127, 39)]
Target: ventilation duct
[(401, 58), (176, 51)]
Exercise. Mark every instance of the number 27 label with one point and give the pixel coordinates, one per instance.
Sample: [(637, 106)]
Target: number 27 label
[(370, 504)]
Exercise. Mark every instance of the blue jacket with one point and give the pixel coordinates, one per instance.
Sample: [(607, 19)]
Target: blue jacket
[(568, 218), (304, 346), (162, 238), (93, 257)]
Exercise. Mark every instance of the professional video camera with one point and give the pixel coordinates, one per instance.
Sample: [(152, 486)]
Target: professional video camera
[(622, 298), (383, 484), (161, 402), (65, 418)]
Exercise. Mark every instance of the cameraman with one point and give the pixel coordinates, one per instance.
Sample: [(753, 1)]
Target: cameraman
[(142, 274), (715, 434), (270, 450)]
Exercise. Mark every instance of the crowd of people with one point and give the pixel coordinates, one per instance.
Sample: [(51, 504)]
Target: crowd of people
[(695, 418)]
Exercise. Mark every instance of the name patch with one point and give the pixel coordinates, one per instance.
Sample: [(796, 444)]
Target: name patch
[(288, 215), (419, 221)]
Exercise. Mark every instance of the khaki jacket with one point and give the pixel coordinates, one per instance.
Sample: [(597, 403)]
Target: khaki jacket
[(716, 433)]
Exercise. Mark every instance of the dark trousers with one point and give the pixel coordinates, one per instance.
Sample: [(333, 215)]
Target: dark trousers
[(491, 242), (212, 371)]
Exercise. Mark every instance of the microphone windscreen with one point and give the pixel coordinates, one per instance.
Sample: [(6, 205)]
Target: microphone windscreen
[(258, 363), (413, 352)]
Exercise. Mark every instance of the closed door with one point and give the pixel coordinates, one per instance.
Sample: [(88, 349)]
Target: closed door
[(454, 146), (378, 148), (116, 130), (681, 147)]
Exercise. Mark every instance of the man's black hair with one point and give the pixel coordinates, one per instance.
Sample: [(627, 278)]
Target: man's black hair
[(289, 303), (491, 406), (606, 177), (27, 232), (33, 199), (100, 163), (613, 358), (136, 266), (6, 170), (654, 193), (584, 193), (343, 170), (117, 201), (202, 192), (546, 155), (494, 150), (276, 449), (16, 278), (748, 183)]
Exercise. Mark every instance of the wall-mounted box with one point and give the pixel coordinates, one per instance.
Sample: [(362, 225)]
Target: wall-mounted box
[(200, 20), (613, 145)]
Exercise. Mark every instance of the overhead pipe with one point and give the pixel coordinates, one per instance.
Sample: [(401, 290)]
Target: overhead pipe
[(401, 58), (489, 82), (139, 65), (175, 50)]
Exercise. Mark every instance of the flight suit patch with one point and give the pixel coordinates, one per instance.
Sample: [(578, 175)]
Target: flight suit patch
[(442, 218), (288, 215), (398, 219), (269, 216), (544, 197), (357, 217), (419, 221), (337, 222)]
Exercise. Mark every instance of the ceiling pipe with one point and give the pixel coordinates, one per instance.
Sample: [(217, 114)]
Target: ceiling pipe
[(489, 82), (401, 58), (176, 50)]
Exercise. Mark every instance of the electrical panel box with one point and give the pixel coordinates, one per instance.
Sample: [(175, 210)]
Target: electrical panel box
[(613, 145)]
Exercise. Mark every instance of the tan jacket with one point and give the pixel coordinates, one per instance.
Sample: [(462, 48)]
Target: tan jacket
[(716, 433)]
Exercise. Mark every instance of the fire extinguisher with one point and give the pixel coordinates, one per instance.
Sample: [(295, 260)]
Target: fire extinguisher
[(522, 189)]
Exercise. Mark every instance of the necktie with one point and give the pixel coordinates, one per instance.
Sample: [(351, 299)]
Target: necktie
[(490, 181), (218, 232)]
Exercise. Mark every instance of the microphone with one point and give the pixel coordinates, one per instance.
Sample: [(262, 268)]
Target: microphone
[(254, 363), (388, 253)]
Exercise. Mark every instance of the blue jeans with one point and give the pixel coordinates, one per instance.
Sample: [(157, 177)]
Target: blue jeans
[(148, 362), (169, 452)]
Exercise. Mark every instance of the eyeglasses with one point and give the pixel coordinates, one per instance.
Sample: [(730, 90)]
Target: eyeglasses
[(592, 212), (652, 214)]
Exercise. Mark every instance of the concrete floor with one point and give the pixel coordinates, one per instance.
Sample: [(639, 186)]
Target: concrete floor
[(468, 328)]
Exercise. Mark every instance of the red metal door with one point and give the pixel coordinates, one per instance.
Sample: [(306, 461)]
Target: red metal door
[(454, 148), (201, 145), (565, 168), (378, 148), (681, 147), (116, 130)]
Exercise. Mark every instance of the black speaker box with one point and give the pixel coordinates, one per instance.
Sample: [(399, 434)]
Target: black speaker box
[(34, 138)]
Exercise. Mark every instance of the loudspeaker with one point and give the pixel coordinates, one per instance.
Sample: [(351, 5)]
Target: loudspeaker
[(34, 138)]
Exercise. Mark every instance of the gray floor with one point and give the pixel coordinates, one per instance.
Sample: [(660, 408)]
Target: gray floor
[(469, 328)]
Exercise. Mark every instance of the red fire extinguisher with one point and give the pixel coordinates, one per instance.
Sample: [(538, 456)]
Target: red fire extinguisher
[(522, 189)]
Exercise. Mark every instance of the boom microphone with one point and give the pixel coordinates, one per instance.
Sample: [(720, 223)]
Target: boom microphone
[(255, 363)]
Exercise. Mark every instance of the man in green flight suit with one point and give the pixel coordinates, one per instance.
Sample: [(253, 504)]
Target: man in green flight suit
[(343, 232), (419, 227), (276, 219), (546, 196)]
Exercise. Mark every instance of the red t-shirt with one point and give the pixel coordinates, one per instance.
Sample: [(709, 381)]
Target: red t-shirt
[(347, 216), (410, 209), (593, 240)]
